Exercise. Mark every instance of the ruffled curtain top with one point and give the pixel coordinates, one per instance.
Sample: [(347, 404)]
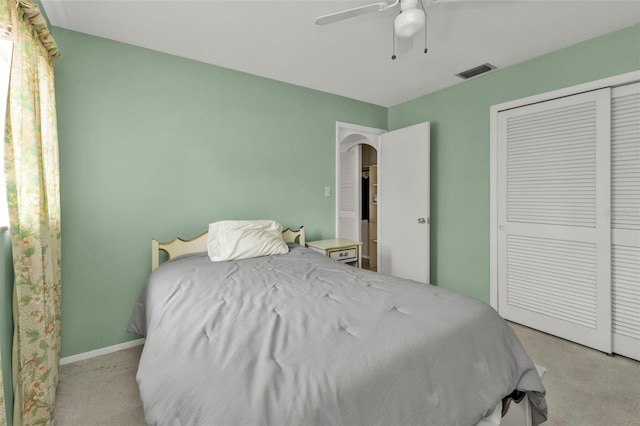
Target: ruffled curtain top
[(35, 17)]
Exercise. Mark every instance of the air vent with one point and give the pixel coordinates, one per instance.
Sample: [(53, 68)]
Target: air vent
[(476, 71)]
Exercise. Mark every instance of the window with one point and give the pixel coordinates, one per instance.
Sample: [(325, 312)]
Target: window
[(5, 66)]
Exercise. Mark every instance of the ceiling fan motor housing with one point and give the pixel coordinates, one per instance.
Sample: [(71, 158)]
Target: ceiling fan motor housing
[(410, 20)]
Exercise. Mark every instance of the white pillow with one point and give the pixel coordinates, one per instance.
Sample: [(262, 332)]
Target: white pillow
[(242, 239)]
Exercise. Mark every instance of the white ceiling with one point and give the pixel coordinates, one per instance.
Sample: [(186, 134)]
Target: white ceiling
[(352, 58)]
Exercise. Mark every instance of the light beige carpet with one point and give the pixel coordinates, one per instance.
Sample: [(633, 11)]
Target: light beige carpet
[(100, 391), (585, 387)]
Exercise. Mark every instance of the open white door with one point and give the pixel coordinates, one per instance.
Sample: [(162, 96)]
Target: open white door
[(403, 208)]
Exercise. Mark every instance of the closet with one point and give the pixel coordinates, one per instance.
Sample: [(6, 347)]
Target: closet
[(369, 210), (566, 216)]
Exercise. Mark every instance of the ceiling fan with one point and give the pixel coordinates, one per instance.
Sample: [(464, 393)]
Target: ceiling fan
[(410, 20)]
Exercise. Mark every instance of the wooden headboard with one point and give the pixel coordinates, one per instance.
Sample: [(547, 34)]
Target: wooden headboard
[(178, 246)]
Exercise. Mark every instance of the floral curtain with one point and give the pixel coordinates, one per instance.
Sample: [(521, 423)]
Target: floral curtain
[(32, 177)]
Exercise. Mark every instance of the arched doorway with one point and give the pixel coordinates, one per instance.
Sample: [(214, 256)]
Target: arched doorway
[(356, 217)]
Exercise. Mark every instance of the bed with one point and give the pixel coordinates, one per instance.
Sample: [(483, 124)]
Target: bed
[(300, 339)]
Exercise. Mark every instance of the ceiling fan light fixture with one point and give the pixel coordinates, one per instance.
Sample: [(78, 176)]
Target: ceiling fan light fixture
[(409, 22)]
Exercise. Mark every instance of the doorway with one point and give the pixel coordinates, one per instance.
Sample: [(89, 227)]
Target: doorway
[(398, 218), (356, 153)]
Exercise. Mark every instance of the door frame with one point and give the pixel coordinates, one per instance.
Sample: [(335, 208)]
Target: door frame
[(618, 80), (349, 135)]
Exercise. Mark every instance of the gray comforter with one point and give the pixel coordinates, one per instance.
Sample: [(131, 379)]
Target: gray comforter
[(299, 339)]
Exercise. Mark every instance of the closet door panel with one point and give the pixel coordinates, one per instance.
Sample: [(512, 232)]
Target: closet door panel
[(348, 193), (625, 219), (553, 224)]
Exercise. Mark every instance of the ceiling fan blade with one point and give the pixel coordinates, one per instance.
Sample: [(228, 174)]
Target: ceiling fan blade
[(350, 13), (404, 44)]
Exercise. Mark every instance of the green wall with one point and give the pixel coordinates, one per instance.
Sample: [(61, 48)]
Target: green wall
[(6, 320), (459, 117), (154, 146)]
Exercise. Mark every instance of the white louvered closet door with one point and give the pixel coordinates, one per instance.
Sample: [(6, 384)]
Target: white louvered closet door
[(348, 197), (554, 241), (625, 219)]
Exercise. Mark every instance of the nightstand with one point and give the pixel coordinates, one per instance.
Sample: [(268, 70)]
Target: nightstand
[(340, 249)]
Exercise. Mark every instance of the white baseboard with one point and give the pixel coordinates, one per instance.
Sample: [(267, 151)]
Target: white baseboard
[(101, 351)]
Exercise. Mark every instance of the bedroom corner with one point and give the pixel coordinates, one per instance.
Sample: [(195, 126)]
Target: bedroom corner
[(154, 145)]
